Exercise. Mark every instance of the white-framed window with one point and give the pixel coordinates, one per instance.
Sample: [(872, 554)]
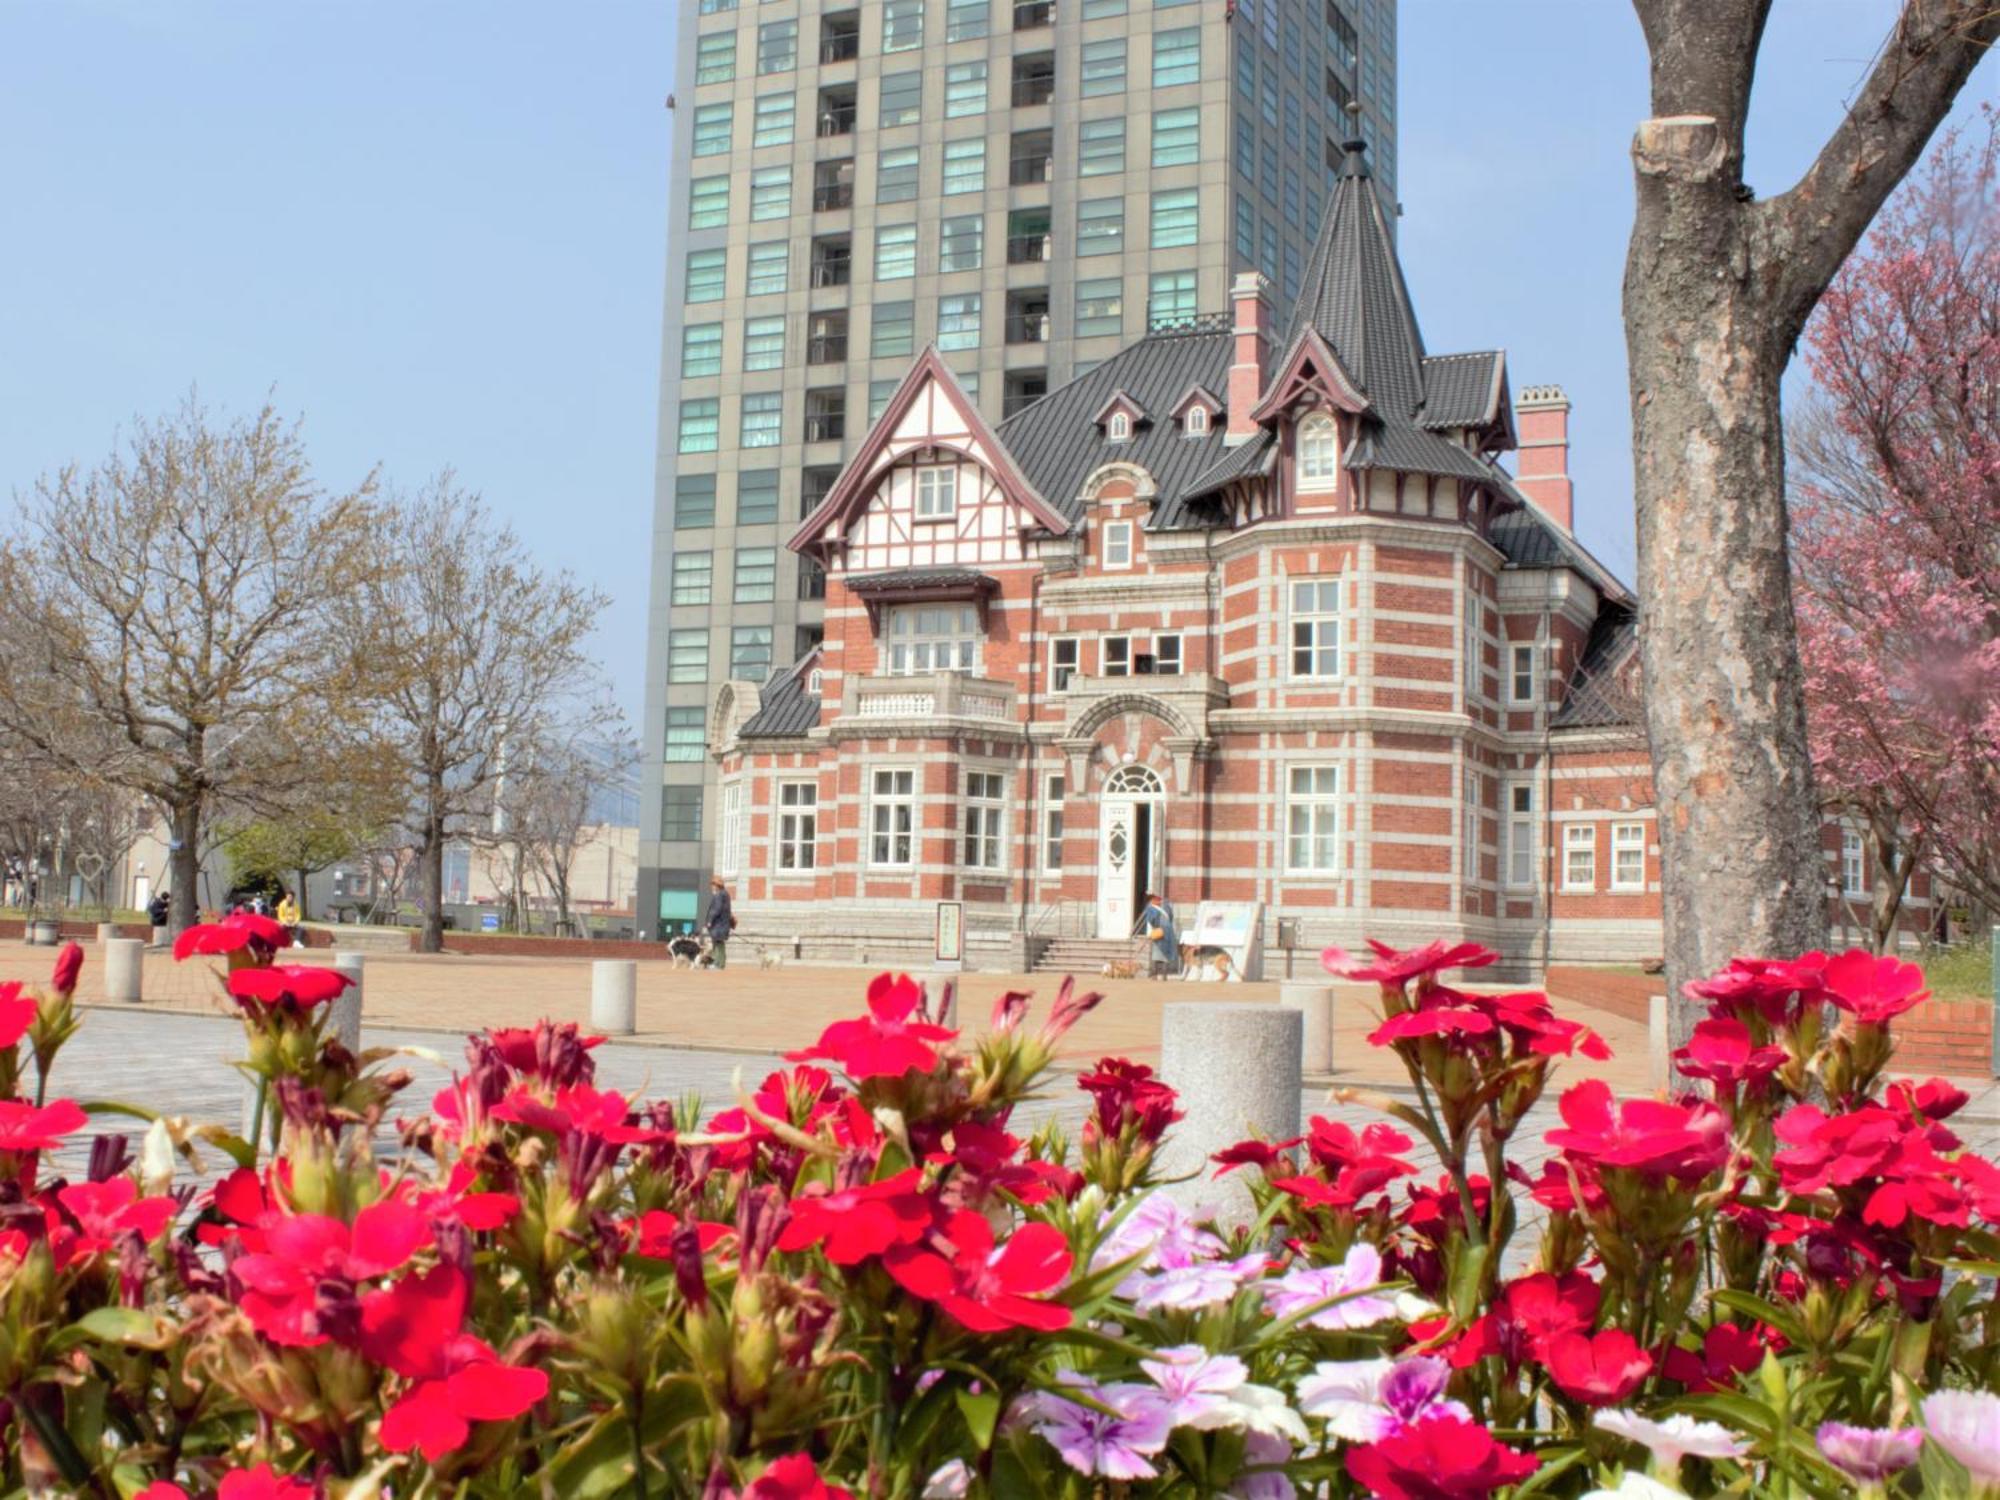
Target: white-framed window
[(1319, 452), (1469, 832), (1167, 655), (729, 848), (1116, 653), (1312, 819), (1052, 824), (1521, 673), (1579, 856), (798, 825), (1196, 422), (985, 816), (1065, 661), (1119, 428), (1118, 535), (937, 492), (1517, 836), (1474, 641), (1315, 627), (1628, 856), (1853, 877), (933, 638), (892, 818)]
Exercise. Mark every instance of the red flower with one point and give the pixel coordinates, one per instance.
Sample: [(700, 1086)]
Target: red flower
[(987, 1290), (105, 1210), (1767, 987), (1722, 1051), (233, 934), (415, 1328), (858, 1223), (1438, 1457), (454, 1204), (886, 1043), (263, 1483), (17, 1013), (1127, 1094), (1650, 1136), (1441, 1020), (581, 1110), (1726, 1352), (555, 1053), (793, 1478), (23, 1127), (283, 1283), (1263, 1155), (300, 985), (1392, 967), (1935, 1099), (1526, 1016), (1599, 1369), (1532, 1311), (652, 1234), (1875, 990), (69, 964), (1843, 1150)]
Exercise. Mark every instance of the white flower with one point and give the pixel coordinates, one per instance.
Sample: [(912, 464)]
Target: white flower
[(1264, 1410), (1673, 1438), (1161, 1231), (156, 1159), (1197, 1385), (1349, 1396), (1186, 1287), (1638, 1487), (952, 1482), (1966, 1424)]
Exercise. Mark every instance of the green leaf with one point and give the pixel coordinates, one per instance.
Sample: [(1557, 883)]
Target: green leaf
[(597, 1465), (981, 1413), (132, 1327)]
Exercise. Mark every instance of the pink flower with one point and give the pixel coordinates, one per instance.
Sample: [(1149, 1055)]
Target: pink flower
[(69, 964), (1340, 1294), (1428, 1021), (1116, 1438), (244, 931), (416, 1329), (17, 1013), (987, 1290), (1874, 990), (793, 1478), (1722, 1051), (1393, 968), (886, 1043)]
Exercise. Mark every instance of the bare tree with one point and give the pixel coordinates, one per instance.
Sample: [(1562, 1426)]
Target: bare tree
[(470, 641), (1718, 286), (168, 614), (556, 802)]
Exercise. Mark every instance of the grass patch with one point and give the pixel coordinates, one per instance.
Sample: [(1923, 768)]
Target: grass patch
[(1964, 972)]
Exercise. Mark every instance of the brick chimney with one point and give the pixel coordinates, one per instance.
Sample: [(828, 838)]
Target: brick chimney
[(1541, 419), (1250, 298)]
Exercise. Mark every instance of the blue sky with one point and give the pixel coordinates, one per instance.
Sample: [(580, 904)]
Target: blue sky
[(436, 230)]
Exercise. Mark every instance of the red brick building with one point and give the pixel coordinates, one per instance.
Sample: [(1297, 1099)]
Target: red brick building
[(1247, 612)]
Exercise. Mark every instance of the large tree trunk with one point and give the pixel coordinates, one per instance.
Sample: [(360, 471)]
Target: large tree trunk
[(430, 870), (183, 864), (1717, 289)]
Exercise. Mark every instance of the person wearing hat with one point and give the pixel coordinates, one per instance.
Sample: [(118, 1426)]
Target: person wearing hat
[(718, 923), (1158, 922)]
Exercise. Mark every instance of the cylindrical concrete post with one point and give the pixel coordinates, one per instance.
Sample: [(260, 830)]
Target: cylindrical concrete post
[(161, 937), (1237, 1070), (1659, 1042), (346, 1020), (1314, 1002), (124, 964), (614, 996), (106, 931)]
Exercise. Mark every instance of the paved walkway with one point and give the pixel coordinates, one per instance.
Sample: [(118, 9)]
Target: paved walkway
[(750, 1009)]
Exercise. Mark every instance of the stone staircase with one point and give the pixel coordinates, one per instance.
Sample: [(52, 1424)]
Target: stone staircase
[(354, 939), (1086, 956)]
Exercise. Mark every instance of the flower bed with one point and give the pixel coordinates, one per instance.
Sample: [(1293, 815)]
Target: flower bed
[(859, 1280)]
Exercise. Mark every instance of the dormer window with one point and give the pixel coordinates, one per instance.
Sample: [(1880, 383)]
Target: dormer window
[(1119, 428), (937, 492), (1319, 452), (815, 681), (1197, 421)]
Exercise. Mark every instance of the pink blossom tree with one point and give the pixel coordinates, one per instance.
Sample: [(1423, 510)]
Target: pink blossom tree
[(1896, 532)]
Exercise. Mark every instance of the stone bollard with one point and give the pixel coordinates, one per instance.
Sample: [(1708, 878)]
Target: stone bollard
[(1315, 1003), (614, 996), (106, 931), (345, 1021), (161, 937), (1237, 1069), (1659, 1042), (124, 965)]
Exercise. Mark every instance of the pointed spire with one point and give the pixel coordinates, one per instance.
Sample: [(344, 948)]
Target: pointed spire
[(1354, 296)]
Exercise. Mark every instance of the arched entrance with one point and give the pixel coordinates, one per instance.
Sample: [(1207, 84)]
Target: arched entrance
[(1131, 844)]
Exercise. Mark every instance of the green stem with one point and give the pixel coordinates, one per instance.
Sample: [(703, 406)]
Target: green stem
[(637, 1408), (257, 1123), (1454, 1161)]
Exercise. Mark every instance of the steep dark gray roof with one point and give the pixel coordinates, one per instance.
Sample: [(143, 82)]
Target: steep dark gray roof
[(1397, 445), (917, 578), (1240, 462), (1354, 295), (1463, 390), (1531, 540), (1594, 699), (1058, 446), (785, 709)]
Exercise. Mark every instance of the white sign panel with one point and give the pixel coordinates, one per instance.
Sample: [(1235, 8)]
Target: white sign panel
[(1226, 941)]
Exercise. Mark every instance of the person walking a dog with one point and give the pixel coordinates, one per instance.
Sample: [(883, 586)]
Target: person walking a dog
[(1158, 922), (718, 923)]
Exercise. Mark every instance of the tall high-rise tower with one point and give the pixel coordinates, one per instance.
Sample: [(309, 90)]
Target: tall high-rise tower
[(1026, 184)]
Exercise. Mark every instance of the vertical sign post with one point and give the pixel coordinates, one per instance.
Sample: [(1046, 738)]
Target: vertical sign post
[(950, 935)]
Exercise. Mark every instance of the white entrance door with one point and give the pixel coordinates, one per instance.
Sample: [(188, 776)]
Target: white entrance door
[(1117, 848)]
